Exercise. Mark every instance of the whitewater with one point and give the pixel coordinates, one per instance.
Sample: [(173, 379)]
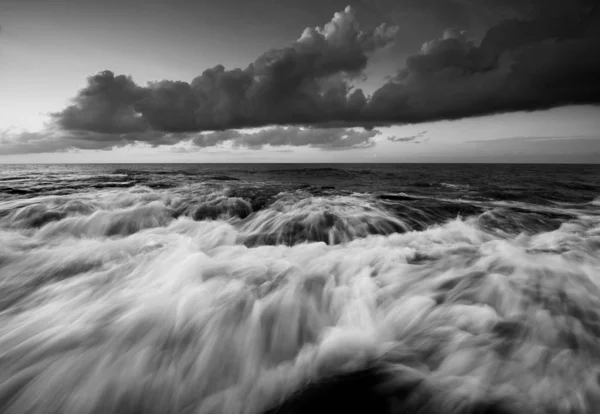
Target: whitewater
[(256, 290)]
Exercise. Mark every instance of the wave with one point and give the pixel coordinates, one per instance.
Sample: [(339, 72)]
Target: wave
[(514, 220), (218, 299), (332, 220), (120, 222)]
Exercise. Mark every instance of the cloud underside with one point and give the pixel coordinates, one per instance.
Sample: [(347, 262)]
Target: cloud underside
[(417, 138), (321, 138), (306, 89)]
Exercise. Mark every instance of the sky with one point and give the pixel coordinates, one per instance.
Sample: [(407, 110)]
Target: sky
[(299, 81)]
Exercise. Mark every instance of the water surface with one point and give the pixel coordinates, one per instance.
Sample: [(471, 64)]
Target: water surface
[(241, 288)]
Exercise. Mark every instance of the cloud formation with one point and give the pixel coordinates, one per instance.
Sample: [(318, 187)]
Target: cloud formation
[(412, 138), (546, 58), (304, 83), (519, 65), (105, 105), (55, 140), (327, 139), (321, 138)]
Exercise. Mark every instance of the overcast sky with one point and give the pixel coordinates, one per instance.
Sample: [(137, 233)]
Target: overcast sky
[(299, 81)]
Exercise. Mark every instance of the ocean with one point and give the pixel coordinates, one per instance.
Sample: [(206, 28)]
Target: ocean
[(299, 288)]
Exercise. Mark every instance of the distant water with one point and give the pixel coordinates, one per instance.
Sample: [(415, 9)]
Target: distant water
[(247, 288)]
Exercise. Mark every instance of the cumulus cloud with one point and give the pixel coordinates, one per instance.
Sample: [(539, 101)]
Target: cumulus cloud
[(546, 58), (306, 82), (105, 105), (534, 64)]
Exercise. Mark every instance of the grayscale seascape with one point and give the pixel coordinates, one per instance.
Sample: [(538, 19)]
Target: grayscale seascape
[(299, 206)]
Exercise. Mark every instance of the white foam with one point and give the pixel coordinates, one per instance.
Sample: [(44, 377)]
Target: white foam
[(174, 314)]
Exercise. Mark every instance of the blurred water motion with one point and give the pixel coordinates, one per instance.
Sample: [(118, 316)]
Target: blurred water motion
[(254, 289)]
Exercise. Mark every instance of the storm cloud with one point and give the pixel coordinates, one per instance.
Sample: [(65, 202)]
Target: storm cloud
[(545, 58), (304, 83), (519, 65)]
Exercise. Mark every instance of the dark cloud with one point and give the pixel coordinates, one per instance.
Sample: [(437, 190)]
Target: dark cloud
[(519, 65), (304, 83), (105, 105), (546, 57), (470, 14), (412, 138)]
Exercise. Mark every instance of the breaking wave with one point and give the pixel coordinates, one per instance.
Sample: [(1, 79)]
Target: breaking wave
[(203, 299)]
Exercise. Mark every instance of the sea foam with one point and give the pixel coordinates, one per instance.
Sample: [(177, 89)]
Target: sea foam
[(119, 301)]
